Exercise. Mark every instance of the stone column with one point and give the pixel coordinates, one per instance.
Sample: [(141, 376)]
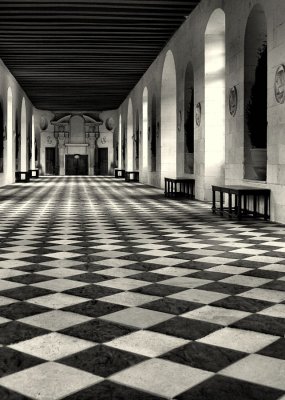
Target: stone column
[(61, 152), (91, 152)]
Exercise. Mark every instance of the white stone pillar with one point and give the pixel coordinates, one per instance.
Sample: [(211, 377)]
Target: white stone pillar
[(33, 157)]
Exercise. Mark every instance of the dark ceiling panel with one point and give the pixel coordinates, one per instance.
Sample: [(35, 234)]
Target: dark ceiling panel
[(84, 55)]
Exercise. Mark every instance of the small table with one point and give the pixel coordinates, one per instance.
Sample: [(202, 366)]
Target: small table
[(179, 187), (242, 196), (119, 173), (132, 176)]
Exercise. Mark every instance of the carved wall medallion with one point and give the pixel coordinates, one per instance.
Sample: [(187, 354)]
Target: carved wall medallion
[(233, 101), (279, 84), (43, 123), (198, 112), (110, 123)]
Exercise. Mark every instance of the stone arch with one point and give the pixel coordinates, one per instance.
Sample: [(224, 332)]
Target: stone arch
[(255, 95), (145, 129), (189, 125)]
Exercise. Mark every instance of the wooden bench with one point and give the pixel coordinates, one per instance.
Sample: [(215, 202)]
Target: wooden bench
[(34, 173), (247, 201), (179, 187), (22, 176), (119, 173), (132, 176)]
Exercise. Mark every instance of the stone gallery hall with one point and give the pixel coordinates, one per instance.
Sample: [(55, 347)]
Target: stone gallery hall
[(142, 200)]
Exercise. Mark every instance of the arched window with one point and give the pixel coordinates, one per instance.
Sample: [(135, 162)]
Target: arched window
[(10, 155), (23, 137), (124, 139), (255, 96), (215, 83), (130, 138), (145, 129), (189, 126), (168, 119), (153, 136)]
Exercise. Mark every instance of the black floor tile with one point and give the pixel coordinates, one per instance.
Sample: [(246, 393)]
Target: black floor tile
[(88, 278), (12, 361), (25, 292), (276, 349), (203, 356), (262, 323), (29, 279), (92, 291), (171, 306), (97, 331), (6, 394), (158, 290), (186, 328), (110, 391), (242, 304), (226, 288), (13, 332), (94, 308), (223, 388), (21, 310), (102, 360)]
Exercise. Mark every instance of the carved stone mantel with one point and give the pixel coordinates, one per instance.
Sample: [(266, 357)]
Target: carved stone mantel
[(62, 134)]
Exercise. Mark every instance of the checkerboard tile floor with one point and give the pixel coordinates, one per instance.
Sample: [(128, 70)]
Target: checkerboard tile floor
[(110, 291)]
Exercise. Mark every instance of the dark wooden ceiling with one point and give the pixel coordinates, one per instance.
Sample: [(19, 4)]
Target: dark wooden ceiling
[(84, 55)]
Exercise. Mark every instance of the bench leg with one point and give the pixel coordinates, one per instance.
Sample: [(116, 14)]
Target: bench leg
[(239, 199), (221, 203), (213, 201), (230, 205), (266, 213)]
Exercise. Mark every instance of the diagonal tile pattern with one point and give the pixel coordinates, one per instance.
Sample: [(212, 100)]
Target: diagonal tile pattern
[(110, 291)]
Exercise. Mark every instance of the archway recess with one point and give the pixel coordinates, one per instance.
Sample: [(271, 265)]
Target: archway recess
[(168, 119), (255, 95), (145, 130), (215, 83), (189, 126)]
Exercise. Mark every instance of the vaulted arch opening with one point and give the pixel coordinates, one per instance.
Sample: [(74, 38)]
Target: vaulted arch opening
[(189, 126), (145, 129), (153, 134), (255, 96)]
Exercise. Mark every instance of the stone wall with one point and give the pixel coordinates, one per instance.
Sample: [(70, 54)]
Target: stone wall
[(188, 45)]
